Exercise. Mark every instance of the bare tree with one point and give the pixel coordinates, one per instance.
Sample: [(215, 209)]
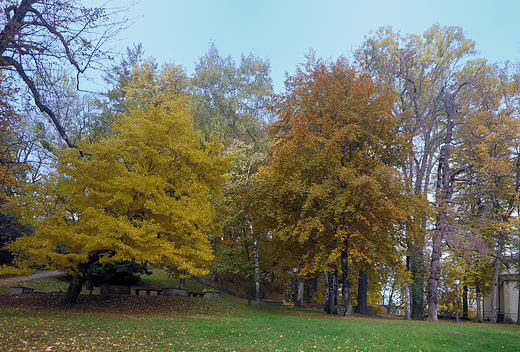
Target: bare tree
[(38, 36)]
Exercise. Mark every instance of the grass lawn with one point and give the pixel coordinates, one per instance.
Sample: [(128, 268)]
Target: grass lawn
[(197, 324)]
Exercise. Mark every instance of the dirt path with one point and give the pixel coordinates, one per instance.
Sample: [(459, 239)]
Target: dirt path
[(12, 280)]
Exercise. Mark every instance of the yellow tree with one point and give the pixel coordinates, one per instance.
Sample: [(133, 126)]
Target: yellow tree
[(487, 157), (331, 184), (144, 194)]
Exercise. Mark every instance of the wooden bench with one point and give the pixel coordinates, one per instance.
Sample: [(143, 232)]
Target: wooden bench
[(148, 291), (196, 294)]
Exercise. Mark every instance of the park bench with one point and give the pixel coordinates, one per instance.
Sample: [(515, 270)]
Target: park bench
[(273, 303), (148, 291)]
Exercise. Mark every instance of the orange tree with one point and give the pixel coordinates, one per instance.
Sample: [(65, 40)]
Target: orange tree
[(331, 186)]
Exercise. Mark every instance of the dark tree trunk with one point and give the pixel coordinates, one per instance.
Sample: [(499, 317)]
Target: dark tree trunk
[(79, 278), (330, 287), (444, 191), (183, 280), (465, 308), (478, 314), (346, 292), (363, 293), (335, 290), (418, 272), (74, 290), (250, 290)]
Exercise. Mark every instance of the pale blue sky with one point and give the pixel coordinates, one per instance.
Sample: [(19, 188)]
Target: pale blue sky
[(284, 30)]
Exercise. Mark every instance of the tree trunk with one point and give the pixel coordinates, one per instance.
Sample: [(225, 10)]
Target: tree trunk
[(417, 285), (326, 307), (257, 272), (74, 290), (444, 192), (478, 314), (76, 285), (518, 310), (329, 293), (301, 282), (465, 309), (408, 299), (494, 292), (346, 292), (435, 272), (408, 291), (250, 291), (363, 293), (183, 280), (496, 275), (335, 291)]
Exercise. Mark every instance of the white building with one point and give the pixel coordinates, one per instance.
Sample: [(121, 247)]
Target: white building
[(507, 299)]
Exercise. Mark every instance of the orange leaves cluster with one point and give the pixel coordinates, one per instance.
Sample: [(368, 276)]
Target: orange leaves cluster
[(332, 174)]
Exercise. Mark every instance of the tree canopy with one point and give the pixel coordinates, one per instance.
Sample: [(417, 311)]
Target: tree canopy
[(144, 194)]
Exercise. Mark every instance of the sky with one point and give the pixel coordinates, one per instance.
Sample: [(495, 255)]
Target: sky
[(283, 31)]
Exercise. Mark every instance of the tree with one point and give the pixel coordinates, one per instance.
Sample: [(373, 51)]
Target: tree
[(331, 183), (143, 194), (425, 73), (229, 101), (39, 35), (487, 156)]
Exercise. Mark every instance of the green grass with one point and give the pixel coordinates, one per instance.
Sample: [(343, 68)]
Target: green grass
[(44, 284), (230, 325)]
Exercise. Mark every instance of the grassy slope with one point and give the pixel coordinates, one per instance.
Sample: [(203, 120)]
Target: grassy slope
[(229, 324)]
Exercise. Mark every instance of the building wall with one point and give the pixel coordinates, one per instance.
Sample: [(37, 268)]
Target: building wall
[(508, 301)]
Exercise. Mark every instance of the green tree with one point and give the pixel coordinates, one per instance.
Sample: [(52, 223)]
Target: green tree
[(229, 101)]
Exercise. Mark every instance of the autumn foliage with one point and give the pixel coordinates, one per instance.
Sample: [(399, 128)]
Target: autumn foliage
[(142, 194), (331, 185)]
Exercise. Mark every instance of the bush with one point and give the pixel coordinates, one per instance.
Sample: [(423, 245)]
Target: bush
[(117, 273)]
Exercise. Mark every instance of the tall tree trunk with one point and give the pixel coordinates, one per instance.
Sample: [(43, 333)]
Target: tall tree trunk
[(346, 292), (417, 286), (330, 287), (408, 291), (335, 291), (257, 272), (327, 305), (465, 308), (435, 271), (478, 314), (301, 282), (518, 310), (444, 192), (496, 274), (250, 291), (249, 273), (363, 293), (494, 292)]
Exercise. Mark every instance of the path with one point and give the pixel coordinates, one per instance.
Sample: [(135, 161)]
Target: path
[(12, 280)]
